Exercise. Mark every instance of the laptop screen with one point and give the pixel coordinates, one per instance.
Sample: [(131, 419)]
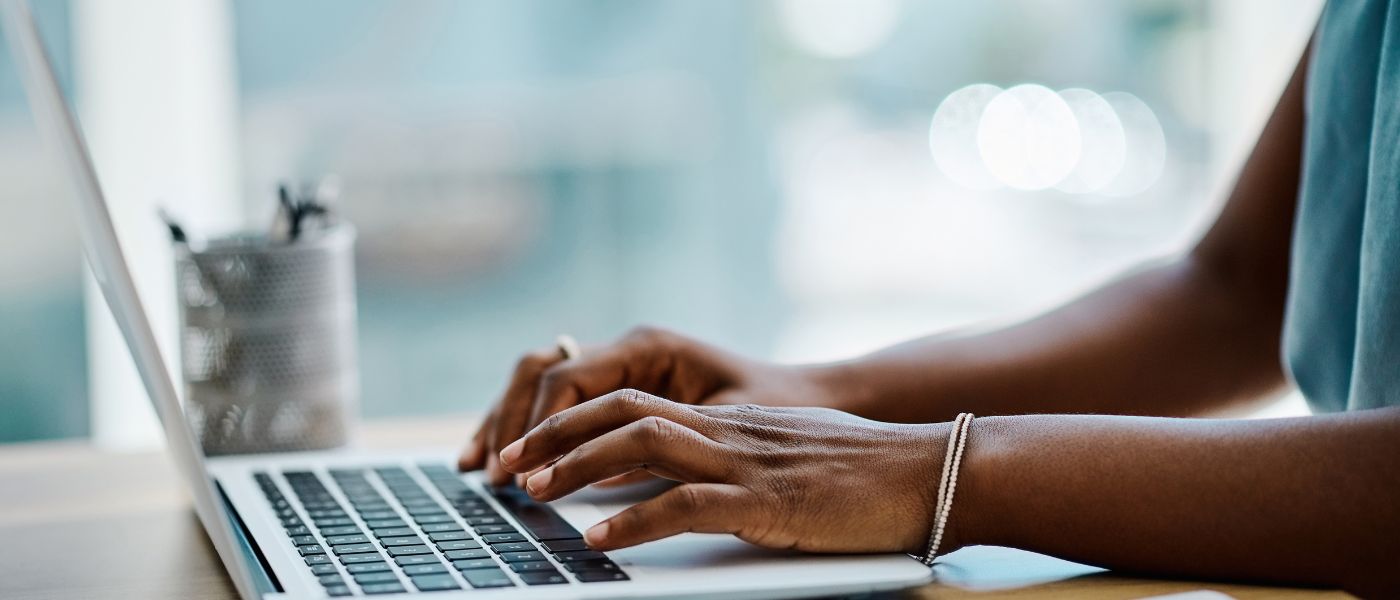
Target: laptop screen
[(62, 135)]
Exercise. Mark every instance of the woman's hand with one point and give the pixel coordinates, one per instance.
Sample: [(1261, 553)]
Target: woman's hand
[(811, 479), (650, 360)]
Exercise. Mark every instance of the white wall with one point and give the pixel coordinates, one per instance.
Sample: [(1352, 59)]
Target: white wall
[(157, 94)]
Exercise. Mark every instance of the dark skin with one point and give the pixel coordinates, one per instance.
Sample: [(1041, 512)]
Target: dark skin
[(1312, 501)]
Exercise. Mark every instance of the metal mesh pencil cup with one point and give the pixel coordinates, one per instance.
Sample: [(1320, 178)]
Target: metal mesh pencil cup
[(267, 340)]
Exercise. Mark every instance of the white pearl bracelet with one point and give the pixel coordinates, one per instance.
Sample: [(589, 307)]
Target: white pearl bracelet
[(947, 484)]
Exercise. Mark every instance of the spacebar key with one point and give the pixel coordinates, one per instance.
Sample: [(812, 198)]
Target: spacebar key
[(538, 519)]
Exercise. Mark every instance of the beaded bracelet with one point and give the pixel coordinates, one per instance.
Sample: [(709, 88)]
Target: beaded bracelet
[(947, 484)]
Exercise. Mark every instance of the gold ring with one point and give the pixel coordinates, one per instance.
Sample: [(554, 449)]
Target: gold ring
[(568, 346)]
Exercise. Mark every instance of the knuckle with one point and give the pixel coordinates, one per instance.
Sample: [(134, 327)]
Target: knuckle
[(550, 426), (654, 431), (631, 401), (686, 499)]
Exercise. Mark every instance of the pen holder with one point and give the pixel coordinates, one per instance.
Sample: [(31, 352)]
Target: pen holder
[(268, 341)]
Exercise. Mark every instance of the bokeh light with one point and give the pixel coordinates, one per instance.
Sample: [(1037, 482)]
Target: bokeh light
[(1028, 137), (1146, 144), (952, 136), (1103, 144)]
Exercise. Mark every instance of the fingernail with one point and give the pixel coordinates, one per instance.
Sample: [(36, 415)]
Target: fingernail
[(539, 482), (596, 534), (512, 452)]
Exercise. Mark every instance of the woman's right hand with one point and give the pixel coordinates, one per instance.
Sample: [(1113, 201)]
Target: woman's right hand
[(651, 360)]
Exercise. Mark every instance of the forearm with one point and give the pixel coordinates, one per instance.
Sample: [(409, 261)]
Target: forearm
[(1313, 500), (1170, 340)]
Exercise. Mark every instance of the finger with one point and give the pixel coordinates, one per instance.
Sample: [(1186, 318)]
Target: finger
[(694, 507), (654, 444), (636, 476), (513, 411), (641, 360), (565, 431), (473, 456)]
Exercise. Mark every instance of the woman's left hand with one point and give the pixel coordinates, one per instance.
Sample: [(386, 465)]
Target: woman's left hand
[(811, 479)]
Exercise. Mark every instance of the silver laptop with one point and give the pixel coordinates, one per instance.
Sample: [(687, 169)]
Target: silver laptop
[(329, 524)]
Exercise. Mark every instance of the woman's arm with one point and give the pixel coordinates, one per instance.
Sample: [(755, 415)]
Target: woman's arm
[(1192, 336), (1313, 500)]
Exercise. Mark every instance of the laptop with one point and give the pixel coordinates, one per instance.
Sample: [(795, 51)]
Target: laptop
[(349, 523)]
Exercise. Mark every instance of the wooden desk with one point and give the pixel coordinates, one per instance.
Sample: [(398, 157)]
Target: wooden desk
[(76, 522)]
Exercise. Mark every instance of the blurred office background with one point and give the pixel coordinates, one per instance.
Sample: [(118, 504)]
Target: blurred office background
[(756, 173)]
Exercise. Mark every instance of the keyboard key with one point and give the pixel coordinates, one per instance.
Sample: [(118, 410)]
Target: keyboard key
[(330, 580), (539, 520), (438, 518), (337, 590), (487, 578), (447, 536), (375, 577), (408, 550), (387, 532), (353, 549), (476, 511), (371, 567), (299, 530), (355, 559), (413, 570), (512, 547), (433, 583), (458, 545), (375, 515), (425, 510), (568, 557), (303, 540), (512, 557), (553, 546), (382, 523), (343, 530), (406, 540), (592, 565), (543, 578), (341, 540), (323, 569), (489, 529), (595, 576), (475, 563), (310, 549), (382, 588), (466, 554), (416, 559), (493, 520), (441, 527), (325, 512), (495, 538), (420, 501), (290, 522), (333, 522), (318, 559), (534, 565)]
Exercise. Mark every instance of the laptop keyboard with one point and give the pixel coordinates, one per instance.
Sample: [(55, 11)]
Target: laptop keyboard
[(408, 539)]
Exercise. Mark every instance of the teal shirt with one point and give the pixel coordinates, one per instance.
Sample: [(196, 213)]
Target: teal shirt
[(1342, 330)]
